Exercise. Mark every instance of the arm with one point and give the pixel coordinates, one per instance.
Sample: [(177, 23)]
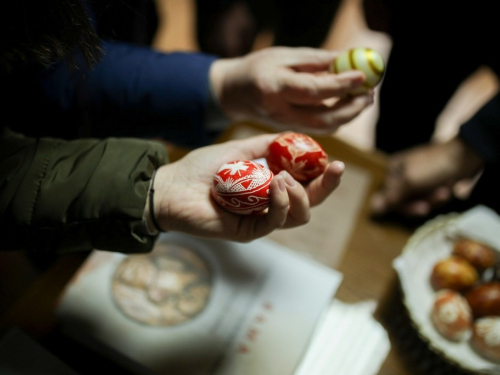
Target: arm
[(422, 178), (80, 195), (482, 132), (138, 92), (62, 196), (141, 92)]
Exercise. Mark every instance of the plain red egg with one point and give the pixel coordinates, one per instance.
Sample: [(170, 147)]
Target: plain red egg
[(299, 155), (242, 187)]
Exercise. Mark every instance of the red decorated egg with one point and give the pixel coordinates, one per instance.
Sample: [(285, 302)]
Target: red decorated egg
[(299, 155), (242, 187)]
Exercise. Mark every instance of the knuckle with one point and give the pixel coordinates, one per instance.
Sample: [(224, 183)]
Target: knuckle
[(303, 91)]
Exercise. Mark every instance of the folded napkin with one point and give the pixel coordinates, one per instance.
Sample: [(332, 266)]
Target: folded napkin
[(347, 341)]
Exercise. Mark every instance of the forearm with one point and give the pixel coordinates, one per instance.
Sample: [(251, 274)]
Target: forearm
[(138, 92), (482, 132), (61, 196)]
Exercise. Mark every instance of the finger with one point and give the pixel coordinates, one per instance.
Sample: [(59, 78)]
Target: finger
[(423, 205), (308, 88), (346, 109), (278, 209), (416, 208), (379, 206), (325, 118), (304, 58), (321, 187), (299, 212), (390, 196), (440, 195), (395, 183)]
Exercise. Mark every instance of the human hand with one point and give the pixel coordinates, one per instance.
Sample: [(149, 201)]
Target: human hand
[(183, 200), (288, 88), (421, 179)]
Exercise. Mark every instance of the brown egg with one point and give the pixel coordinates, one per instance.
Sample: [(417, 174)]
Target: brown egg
[(476, 253), (485, 337), (484, 299), (453, 273), (451, 315)]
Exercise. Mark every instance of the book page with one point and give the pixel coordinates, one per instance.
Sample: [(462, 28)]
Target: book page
[(196, 306)]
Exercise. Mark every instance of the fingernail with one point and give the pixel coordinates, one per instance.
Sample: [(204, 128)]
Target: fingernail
[(289, 179), (340, 166)]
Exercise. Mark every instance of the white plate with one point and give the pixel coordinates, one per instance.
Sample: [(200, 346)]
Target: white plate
[(429, 244)]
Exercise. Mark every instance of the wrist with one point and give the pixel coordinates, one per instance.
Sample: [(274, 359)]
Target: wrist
[(221, 83), (467, 161), (153, 208)]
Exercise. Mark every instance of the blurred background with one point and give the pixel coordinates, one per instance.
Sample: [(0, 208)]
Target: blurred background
[(177, 31)]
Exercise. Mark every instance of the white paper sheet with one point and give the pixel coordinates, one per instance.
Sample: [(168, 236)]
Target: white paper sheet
[(348, 341)]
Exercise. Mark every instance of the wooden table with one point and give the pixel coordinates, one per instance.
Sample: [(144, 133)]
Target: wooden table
[(366, 266)]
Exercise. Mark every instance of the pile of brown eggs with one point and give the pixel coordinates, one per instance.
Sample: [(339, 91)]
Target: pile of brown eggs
[(467, 301)]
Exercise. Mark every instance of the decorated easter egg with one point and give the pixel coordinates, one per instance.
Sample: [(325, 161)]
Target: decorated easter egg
[(486, 337), (242, 187), (367, 60), (298, 154), (451, 315)]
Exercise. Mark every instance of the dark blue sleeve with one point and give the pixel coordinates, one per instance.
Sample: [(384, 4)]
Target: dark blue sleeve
[(482, 131), (136, 91)]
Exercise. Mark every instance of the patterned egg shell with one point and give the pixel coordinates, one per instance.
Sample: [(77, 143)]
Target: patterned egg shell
[(451, 315), (367, 60), (298, 154), (486, 337), (242, 187)]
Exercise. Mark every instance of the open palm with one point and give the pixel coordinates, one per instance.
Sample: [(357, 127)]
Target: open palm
[(186, 204)]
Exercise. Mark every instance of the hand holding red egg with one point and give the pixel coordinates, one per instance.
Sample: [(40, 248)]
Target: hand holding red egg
[(184, 202)]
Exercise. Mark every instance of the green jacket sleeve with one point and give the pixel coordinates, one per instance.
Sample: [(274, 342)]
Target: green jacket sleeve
[(65, 196)]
